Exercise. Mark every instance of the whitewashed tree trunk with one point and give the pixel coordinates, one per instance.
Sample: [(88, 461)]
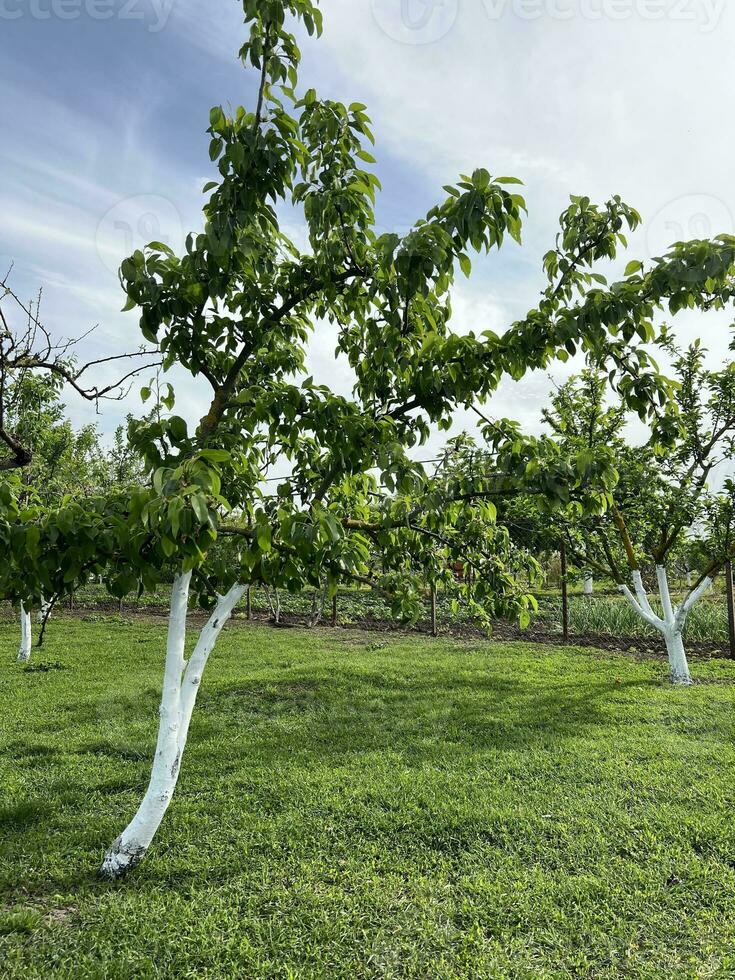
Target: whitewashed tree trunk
[(589, 585), (24, 650), (181, 683), (678, 666), (672, 621), (274, 601), (43, 611), (315, 611)]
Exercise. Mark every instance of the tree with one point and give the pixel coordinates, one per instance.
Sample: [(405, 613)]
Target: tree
[(240, 305), (61, 461), (28, 350), (238, 309), (663, 498), (34, 368)]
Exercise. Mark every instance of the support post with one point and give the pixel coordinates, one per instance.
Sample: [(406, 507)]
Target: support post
[(730, 607), (564, 592), (248, 605), (334, 609)]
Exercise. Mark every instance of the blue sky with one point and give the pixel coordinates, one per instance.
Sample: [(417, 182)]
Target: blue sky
[(105, 106)]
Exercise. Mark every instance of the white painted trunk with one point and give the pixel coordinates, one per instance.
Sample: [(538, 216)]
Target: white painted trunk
[(274, 601), (678, 666), (589, 585), (43, 611), (672, 621), (181, 683), (24, 650)]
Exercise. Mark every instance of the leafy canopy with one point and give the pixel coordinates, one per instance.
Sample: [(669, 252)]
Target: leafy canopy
[(240, 306)]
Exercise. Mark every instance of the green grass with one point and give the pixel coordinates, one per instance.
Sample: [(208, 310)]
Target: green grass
[(352, 807)]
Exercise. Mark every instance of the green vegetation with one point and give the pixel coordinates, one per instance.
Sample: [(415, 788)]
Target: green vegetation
[(355, 806), (608, 616)]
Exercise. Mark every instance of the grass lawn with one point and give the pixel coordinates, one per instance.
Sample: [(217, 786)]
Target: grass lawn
[(352, 807)]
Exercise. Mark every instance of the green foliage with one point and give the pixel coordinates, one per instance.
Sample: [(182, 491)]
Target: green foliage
[(241, 304), (239, 308), (63, 461), (663, 499)]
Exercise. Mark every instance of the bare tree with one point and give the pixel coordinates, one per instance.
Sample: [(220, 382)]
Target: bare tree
[(27, 346)]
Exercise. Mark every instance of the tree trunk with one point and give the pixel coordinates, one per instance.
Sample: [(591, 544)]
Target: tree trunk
[(589, 585), (730, 608), (315, 610), (318, 605), (24, 650), (671, 623), (564, 592), (274, 601), (678, 666), (181, 683), (43, 611)]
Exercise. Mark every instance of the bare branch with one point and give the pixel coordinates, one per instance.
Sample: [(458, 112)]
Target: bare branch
[(31, 348)]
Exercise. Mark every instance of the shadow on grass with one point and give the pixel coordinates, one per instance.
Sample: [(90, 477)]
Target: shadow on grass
[(19, 817), (333, 716), (330, 717)]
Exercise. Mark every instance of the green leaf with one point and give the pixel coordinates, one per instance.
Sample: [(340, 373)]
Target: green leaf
[(199, 505), (216, 455), (33, 536), (168, 546), (264, 537)]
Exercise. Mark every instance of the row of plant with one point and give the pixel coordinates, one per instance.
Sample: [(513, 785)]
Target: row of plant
[(608, 616)]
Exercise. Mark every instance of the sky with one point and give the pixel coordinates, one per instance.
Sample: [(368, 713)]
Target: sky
[(103, 144)]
